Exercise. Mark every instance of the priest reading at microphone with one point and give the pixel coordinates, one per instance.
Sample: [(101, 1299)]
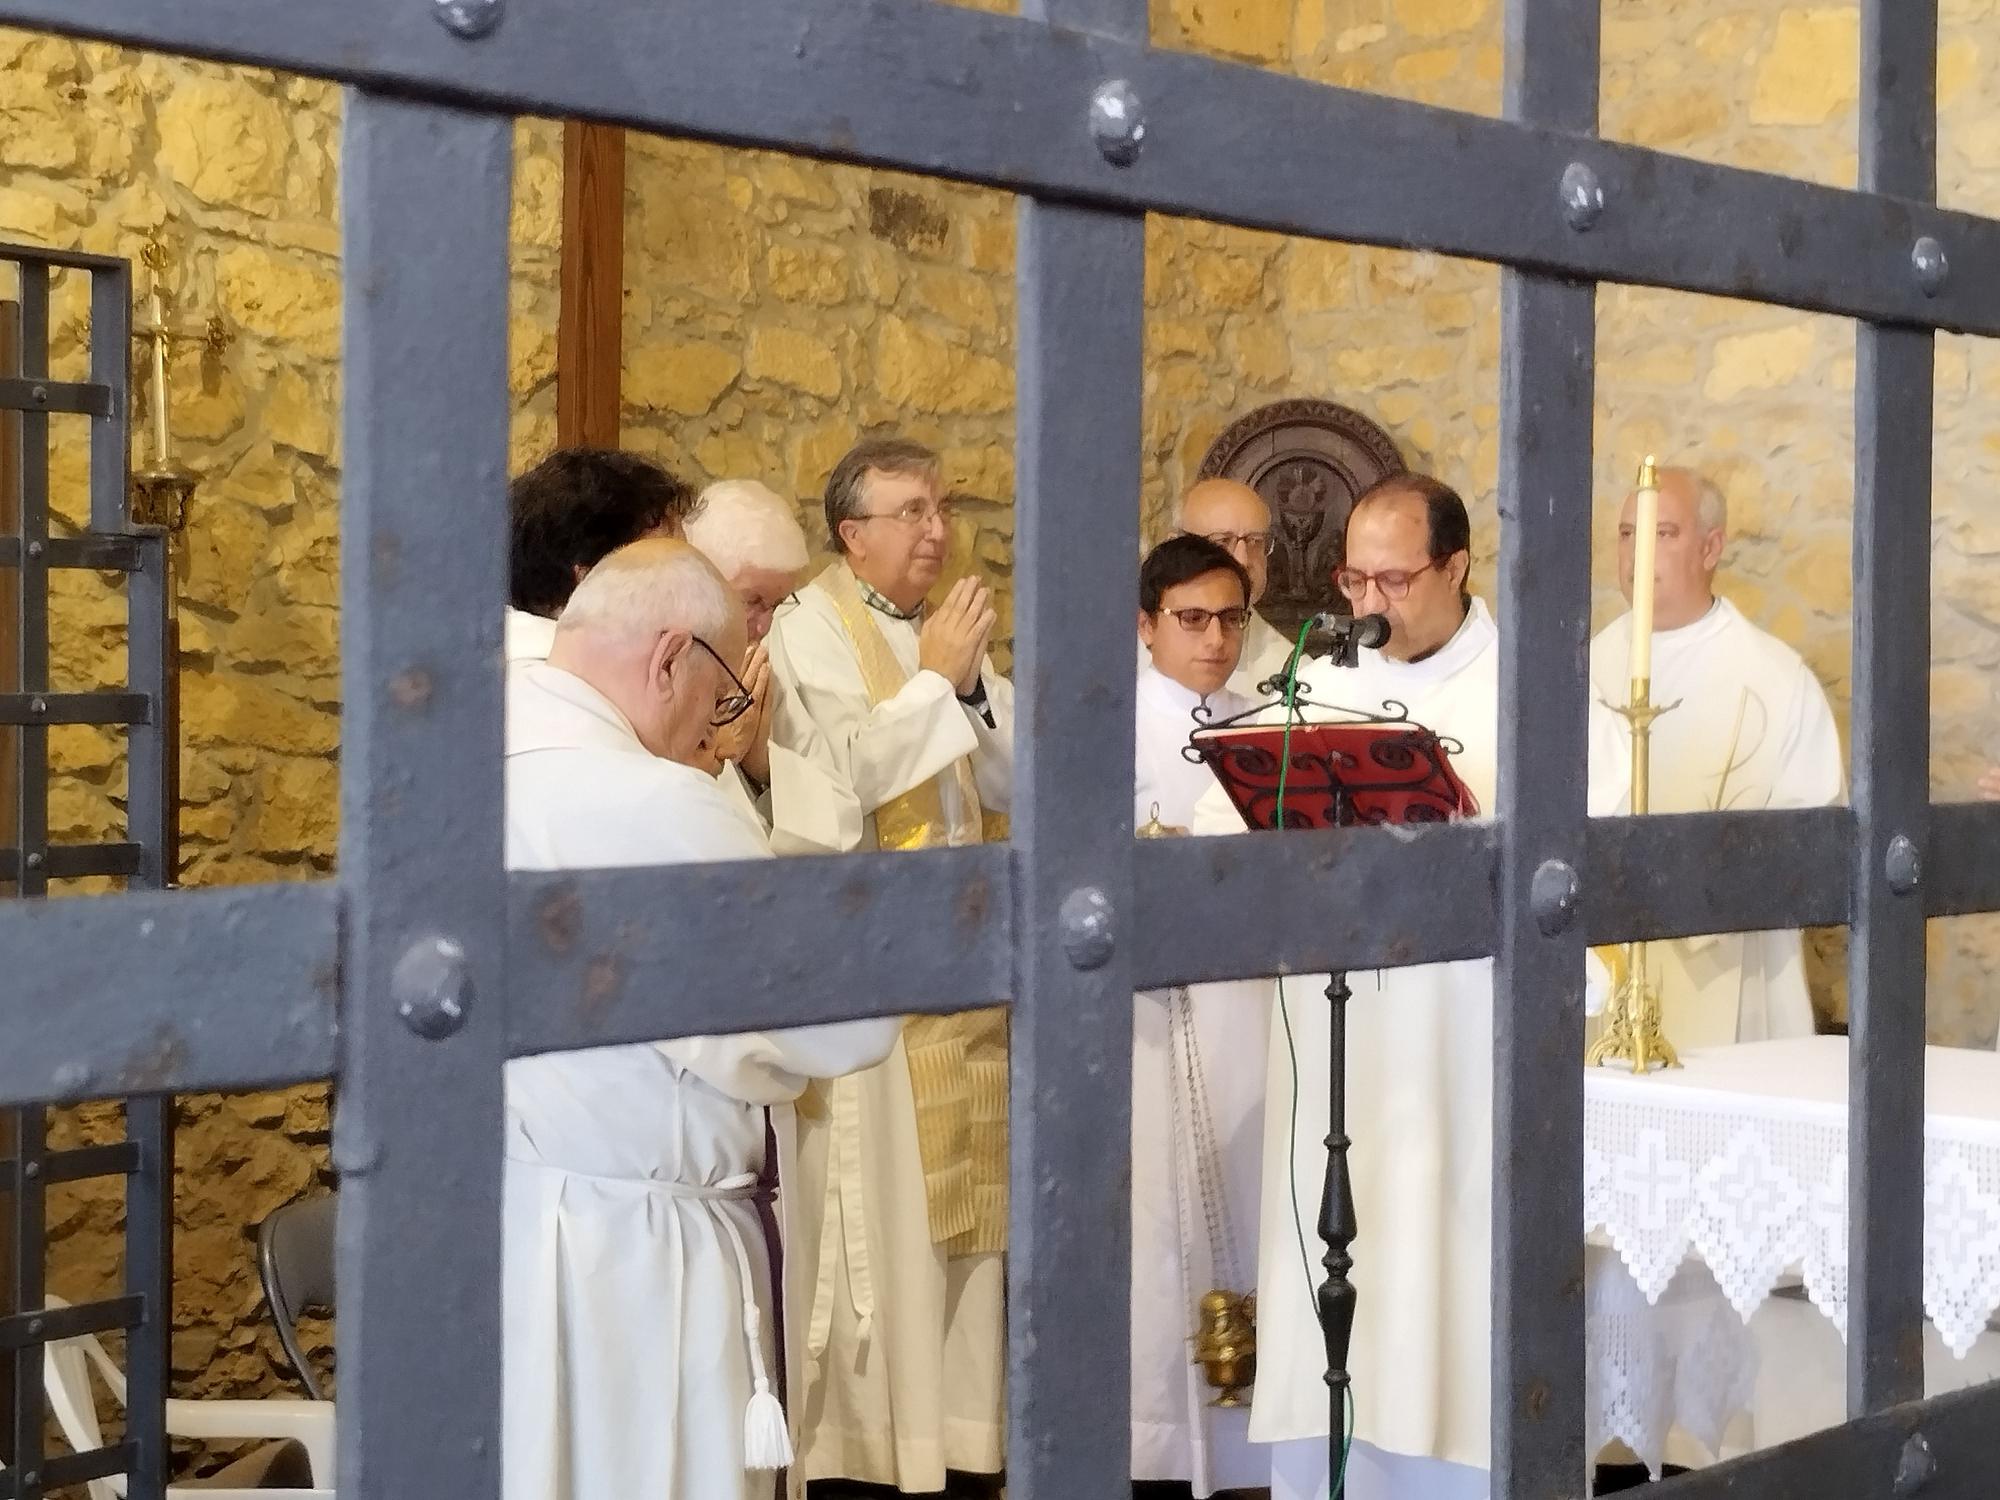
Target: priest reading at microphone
[(1419, 1069)]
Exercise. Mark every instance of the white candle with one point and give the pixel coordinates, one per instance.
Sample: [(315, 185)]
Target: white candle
[(1645, 543)]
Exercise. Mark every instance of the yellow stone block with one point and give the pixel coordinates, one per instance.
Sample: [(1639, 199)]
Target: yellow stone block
[(531, 353), (1221, 280), (536, 218), (1431, 18), (806, 273), (1813, 69), (280, 298), (1675, 117), (1309, 28), (1758, 361), (1958, 69), (1318, 276), (1260, 352), (817, 449), (1728, 39), (1354, 38), (1259, 30), (685, 378), (789, 356), (916, 369), (1420, 69), (32, 214), (1166, 337), (224, 140), (236, 709), (1372, 369), (1449, 312), (958, 298), (989, 241)]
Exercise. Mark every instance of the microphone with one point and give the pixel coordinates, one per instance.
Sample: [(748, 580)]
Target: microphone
[(1369, 632)]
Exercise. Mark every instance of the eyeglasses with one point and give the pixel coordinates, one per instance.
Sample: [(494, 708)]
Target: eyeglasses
[(1256, 541), (730, 706), (1393, 582), (1195, 621), (912, 513)]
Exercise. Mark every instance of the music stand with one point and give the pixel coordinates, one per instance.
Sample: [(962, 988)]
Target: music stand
[(1355, 770)]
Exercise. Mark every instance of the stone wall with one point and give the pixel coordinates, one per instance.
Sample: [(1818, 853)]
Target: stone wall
[(777, 309)]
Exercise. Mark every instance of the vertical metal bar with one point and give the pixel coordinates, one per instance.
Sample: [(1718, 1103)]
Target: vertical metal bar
[(1547, 389), (32, 639), (1891, 738), (417, 1134), (110, 367), (10, 780), (149, 1273), (1080, 276), (31, 1410)]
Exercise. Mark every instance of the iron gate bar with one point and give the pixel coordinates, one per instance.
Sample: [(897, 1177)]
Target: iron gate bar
[(1893, 421), (27, 1205), (25, 1330), (1079, 275), (73, 861), (1961, 870), (1669, 875), (53, 396), (265, 961), (75, 1468), (1002, 101), (418, 1122), (74, 708), (108, 1160), (103, 554)]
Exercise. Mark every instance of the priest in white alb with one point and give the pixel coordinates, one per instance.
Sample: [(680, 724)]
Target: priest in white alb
[(1235, 517), (1419, 1077), (638, 1352), (1197, 1060), (797, 792), (1746, 725), (907, 1164)]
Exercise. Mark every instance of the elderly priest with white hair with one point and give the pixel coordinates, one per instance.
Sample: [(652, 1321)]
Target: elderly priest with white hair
[(795, 790), (638, 1324), (1746, 725)]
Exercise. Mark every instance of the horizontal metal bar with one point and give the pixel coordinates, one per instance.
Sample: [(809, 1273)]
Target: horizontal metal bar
[(1961, 862), (1002, 101), (26, 1328), (589, 962), (73, 861), (75, 708), (54, 395), (75, 260), (74, 1469), (1682, 874), (168, 992), (1946, 1444), (77, 1165), (104, 554), (1301, 903)]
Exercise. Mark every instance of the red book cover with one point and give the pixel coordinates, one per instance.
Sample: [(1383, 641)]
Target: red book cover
[(1341, 775)]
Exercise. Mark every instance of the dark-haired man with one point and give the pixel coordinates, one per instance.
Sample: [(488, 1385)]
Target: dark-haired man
[(566, 514), (1197, 1053), (1419, 1072)]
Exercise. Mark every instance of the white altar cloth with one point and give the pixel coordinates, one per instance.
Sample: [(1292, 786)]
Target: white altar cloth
[(1738, 1161)]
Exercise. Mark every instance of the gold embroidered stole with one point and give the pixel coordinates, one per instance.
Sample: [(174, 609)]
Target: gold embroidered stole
[(958, 1063)]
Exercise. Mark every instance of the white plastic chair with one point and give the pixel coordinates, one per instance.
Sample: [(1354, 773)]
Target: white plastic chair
[(66, 1367)]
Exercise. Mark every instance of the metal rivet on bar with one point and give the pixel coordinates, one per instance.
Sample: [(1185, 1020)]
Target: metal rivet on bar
[(431, 987), (38, 705), (1582, 196), (1916, 1465), (1552, 896), (1927, 259), (1903, 865), (36, 549), (1117, 122), (1086, 927), (32, 1171), (35, 859), (471, 19), (35, 1327), (39, 395)]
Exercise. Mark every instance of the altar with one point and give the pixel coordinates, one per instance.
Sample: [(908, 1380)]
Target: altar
[(1715, 1201)]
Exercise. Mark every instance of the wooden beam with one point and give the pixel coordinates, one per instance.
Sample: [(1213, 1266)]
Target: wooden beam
[(589, 337)]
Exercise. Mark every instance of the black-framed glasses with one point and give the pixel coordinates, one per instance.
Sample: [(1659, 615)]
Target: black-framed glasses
[(1256, 541), (1196, 621), (731, 706), (1393, 582)]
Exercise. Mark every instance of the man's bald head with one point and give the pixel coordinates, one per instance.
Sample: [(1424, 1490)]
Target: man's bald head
[(650, 627), (1693, 531), (1233, 516)]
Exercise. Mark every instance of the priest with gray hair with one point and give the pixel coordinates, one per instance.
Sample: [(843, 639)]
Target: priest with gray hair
[(795, 788), (638, 1355)]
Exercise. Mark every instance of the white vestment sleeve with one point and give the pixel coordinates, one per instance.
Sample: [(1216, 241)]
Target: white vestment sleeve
[(774, 1067), (1810, 771), (993, 760), (884, 749)]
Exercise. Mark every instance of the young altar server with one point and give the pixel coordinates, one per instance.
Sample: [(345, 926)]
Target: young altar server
[(638, 1352), (905, 1367), (1197, 1057), (1746, 725), (1419, 1076)]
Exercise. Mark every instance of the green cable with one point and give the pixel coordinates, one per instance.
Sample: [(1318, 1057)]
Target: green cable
[(1339, 1484)]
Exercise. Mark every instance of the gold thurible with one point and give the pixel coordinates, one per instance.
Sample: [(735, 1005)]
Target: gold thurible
[(1632, 1036), (1225, 1344)]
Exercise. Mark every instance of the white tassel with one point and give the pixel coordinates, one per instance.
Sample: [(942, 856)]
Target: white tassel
[(767, 1441)]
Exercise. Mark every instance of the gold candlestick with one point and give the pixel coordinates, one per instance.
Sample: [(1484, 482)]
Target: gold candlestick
[(162, 487), (1633, 1037)]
